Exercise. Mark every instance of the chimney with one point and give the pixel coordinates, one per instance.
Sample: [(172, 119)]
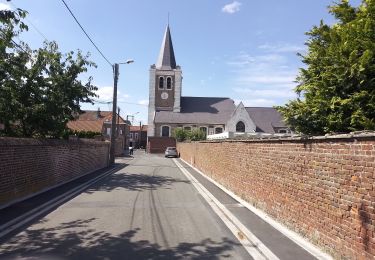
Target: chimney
[(98, 113)]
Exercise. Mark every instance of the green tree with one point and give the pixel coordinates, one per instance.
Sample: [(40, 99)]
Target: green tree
[(196, 135), (337, 88), (40, 90), (191, 135), (180, 134)]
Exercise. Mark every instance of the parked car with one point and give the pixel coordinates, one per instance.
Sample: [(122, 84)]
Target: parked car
[(171, 152)]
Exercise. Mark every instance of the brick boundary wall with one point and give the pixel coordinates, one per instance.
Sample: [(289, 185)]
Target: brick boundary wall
[(322, 188), (29, 166), (159, 144)]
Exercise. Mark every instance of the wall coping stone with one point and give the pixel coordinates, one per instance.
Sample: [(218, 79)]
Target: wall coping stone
[(13, 141), (353, 136)]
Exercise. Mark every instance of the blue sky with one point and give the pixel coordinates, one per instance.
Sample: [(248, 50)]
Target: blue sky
[(244, 49)]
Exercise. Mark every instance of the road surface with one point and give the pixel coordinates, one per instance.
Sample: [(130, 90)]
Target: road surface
[(148, 209)]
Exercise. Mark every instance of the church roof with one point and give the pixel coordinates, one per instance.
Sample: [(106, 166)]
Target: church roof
[(166, 58), (199, 110), (265, 118)]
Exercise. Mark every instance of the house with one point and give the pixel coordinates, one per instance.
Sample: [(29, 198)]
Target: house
[(138, 136), (169, 110), (100, 122)]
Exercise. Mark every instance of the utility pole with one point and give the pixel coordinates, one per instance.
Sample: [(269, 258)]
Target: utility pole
[(140, 134), (118, 120), (113, 126)]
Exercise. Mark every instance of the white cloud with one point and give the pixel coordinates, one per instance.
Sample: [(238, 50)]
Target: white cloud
[(282, 47), (106, 94), (231, 8), (265, 79), (4, 6), (143, 102), (270, 69)]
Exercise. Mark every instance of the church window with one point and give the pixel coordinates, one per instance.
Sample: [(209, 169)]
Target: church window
[(203, 129), (240, 127), (161, 83), (218, 130), (169, 83), (165, 130)]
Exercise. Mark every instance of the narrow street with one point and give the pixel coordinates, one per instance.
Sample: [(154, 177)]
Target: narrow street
[(148, 209)]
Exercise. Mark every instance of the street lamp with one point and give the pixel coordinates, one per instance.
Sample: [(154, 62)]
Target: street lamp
[(113, 125), (132, 116)]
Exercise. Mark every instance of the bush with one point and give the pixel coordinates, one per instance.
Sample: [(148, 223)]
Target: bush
[(193, 135), (180, 134)]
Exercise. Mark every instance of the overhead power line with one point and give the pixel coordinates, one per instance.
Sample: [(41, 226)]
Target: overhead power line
[(33, 25), (110, 102), (96, 47)]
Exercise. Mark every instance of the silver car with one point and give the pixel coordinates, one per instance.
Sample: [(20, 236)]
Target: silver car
[(171, 152)]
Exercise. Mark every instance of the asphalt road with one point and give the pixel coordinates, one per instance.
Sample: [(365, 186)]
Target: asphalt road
[(146, 210)]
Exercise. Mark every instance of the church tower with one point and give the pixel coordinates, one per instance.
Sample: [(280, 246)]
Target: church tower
[(165, 83)]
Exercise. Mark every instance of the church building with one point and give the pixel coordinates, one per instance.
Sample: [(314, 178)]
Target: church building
[(169, 110)]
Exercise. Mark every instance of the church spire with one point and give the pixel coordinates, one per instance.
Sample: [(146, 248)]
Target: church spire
[(166, 58)]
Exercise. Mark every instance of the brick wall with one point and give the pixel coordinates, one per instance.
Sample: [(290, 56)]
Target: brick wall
[(159, 144), (28, 166), (324, 188)]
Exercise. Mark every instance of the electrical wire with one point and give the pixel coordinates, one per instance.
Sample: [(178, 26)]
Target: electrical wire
[(110, 102), (32, 25), (96, 47)]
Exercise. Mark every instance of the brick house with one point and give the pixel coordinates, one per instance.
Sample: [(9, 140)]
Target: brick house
[(169, 110), (100, 122), (138, 136)]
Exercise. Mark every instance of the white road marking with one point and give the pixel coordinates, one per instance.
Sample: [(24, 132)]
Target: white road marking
[(30, 215), (250, 242), (295, 237)]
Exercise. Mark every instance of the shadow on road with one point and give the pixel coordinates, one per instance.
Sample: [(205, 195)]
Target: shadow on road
[(134, 182), (75, 240)]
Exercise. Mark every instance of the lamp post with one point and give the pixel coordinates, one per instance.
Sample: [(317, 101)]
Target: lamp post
[(113, 125), (132, 116)]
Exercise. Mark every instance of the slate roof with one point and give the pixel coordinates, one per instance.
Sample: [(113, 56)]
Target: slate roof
[(166, 58), (135, 128), (265, 118), (199, 110), (90, 121)]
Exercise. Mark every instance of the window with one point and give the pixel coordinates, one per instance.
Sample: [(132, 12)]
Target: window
[(187, 128), (240, 127), (161, 83), (120, 131), (211, 130), (203, 129), (131, 135), (108, 131), (282, 131), (165, 130), (218, 130), (169, 83), (136, 136)]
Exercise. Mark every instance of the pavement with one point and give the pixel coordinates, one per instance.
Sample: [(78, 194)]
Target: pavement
[(144, 207)]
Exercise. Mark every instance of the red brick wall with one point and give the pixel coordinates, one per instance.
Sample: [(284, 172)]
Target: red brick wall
[(323, 189), (28, 166), (159, 144)]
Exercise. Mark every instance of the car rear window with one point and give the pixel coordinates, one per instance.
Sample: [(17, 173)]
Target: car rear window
[(171, 148)]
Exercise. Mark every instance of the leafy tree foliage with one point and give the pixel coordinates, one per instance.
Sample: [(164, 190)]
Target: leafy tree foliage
[(180, 134), (191, 135), (196, 135), (337, 88), (39, 89), (81, 134)]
